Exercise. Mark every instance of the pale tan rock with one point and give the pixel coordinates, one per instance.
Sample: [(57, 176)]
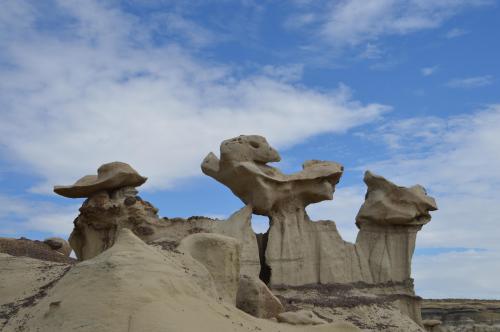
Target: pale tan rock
[(389, 204), (60, 245), (221, 256), (135, 287), (256, 299), (389, 220), (243, 169), (22, 279), (34, 249), (239, 227), (301, 317), (109, 176)]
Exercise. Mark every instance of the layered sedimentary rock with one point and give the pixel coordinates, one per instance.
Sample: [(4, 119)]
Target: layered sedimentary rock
[(466, 315), (52, 249)]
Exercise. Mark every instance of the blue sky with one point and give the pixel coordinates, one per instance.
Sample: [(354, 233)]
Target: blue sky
[(408, 89)]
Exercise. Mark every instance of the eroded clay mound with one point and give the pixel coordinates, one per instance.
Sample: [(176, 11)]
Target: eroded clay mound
[(135, 287)]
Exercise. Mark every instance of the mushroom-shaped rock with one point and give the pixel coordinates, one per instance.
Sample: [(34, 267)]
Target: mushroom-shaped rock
[(220, 255), (256, 299), (109, 176)]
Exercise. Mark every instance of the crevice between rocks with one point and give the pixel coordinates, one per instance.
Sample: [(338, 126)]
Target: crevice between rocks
[(265, 269)]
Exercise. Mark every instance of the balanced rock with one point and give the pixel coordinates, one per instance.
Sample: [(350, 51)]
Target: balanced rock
[(256, 299), (389, 220), (109, 177), (389, 204)]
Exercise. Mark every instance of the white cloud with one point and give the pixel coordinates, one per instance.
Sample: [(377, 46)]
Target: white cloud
[(99, 90), (371, 52), (180, 28), (290, 73), (351, 22), (455, 32), (428, 71), (469, 274), (20, 215), (470, 82)]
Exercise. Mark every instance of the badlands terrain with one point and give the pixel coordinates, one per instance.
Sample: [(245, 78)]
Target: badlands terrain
[(136, 271)]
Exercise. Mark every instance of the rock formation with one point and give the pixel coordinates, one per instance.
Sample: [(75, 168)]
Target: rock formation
[(109, 177), (220, 255), (283, 198), (461, 315), (389, 220), (297, 251), (52, 249), (113, 204), (305, 263), (256, 299), (58, 244)]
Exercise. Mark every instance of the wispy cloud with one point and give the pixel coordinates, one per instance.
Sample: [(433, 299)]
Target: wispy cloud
[(428, 71), (455, 33), (100, 90), (20, 215), (371, 52), (470, 82), (449, 275), (352, 22)]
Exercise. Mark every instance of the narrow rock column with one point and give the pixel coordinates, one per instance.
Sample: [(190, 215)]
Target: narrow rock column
[(389, 220)]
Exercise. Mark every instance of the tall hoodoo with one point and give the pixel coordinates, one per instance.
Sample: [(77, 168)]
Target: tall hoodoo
[(389, 220)]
